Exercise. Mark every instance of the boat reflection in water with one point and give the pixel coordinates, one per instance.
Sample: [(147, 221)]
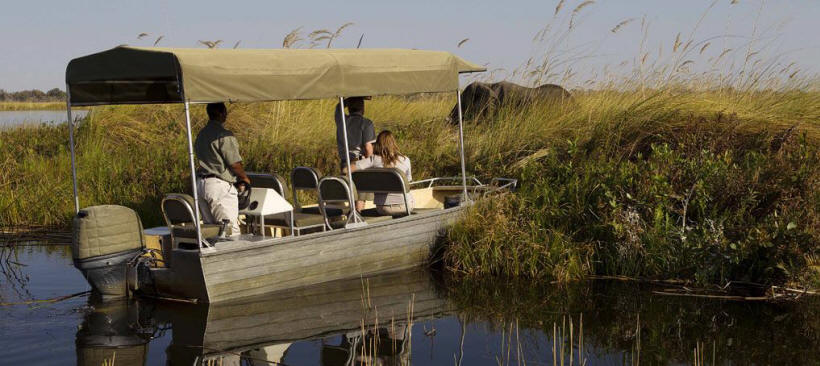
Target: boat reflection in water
[(111, 333), (370, 320)]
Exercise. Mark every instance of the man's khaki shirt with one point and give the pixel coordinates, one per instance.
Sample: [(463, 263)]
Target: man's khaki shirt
[(217, 149)]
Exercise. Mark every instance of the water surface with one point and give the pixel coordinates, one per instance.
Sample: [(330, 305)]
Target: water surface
[(36, 117), (410, 317)]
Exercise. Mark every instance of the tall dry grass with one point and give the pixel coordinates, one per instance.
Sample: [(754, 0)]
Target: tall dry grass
[(27, 106), (630, 177)]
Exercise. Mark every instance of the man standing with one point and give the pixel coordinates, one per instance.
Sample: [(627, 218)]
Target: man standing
[(360, 137), (220, 170)]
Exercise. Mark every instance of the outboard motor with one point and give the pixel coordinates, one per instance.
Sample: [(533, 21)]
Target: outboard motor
[(105, 238)]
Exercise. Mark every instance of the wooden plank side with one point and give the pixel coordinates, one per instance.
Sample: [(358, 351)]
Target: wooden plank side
[(293, 253), (286, 257), (227, 252), (330, 253), (350, 254), (399, 259), (446, 217), (241, 269)]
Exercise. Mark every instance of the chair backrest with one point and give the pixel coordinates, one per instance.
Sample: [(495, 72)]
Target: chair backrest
[(273, 181), (178, 208), (383, 180), (304, 178), (334, 190), (380, 180)]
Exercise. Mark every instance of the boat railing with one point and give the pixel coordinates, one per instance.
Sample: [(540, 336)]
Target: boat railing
[(430, 182), (498, 184)]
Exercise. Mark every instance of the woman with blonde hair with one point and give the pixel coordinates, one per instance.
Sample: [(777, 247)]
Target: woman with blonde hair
[(387, 155)]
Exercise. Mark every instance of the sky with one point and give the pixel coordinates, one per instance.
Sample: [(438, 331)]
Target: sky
[(40, 37)]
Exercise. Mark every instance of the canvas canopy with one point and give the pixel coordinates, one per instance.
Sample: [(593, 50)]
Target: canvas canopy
[(132, 75)]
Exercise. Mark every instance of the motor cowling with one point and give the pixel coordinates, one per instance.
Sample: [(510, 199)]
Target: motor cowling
[(105, 239)]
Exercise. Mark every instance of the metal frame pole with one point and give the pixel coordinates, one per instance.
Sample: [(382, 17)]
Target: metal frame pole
[(193, 172), (354, 215), (461, 147), (71, 147)]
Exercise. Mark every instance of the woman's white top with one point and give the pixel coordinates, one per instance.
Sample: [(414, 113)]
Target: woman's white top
[(402, 164)]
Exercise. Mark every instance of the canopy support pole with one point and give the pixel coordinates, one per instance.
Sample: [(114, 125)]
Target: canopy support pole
[(193, 172), (461, 148), (354, 215), (71, 147)]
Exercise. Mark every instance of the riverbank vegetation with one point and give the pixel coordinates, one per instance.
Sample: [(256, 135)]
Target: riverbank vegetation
[(705, 194), (34, 99), (708, 186), (32, 95), (31, 106), (699, 164)]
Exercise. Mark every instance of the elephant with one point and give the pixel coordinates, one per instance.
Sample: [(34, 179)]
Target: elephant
[(479, 100)]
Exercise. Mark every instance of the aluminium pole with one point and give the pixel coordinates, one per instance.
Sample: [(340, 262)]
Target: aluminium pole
[(461, 147), (193, 173), (354, 215), (71, 146)]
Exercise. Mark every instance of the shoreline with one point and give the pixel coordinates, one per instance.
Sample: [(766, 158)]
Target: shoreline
[(34, 106)]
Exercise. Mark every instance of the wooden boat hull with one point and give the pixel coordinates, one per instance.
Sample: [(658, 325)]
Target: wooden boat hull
[(237, 269)]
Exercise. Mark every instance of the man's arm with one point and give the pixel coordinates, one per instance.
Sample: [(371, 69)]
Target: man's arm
[(239, 172), (369, 136), (230, 152)]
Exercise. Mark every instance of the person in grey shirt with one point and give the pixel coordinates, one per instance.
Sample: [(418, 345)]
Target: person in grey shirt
[(220, 174), (360, 138)]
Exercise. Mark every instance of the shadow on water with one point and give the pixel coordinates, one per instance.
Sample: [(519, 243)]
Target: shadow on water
[(397, 319), (626, 320)]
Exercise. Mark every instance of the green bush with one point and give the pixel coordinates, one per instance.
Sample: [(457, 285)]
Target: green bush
[(706, 204)]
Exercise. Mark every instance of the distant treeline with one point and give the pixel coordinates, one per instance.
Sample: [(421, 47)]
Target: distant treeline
[(33, 95)]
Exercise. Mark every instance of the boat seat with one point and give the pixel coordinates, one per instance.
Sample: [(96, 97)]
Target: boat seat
[(178, 212), (273, 181), (301, 220), (304, 178), (335, 191), (189, 231), (382, 180)]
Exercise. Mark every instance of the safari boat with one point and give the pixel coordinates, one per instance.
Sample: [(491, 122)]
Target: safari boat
[(190, 261)]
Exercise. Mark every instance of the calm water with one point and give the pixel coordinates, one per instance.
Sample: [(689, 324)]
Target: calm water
[(35, 117), (399, 318)]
